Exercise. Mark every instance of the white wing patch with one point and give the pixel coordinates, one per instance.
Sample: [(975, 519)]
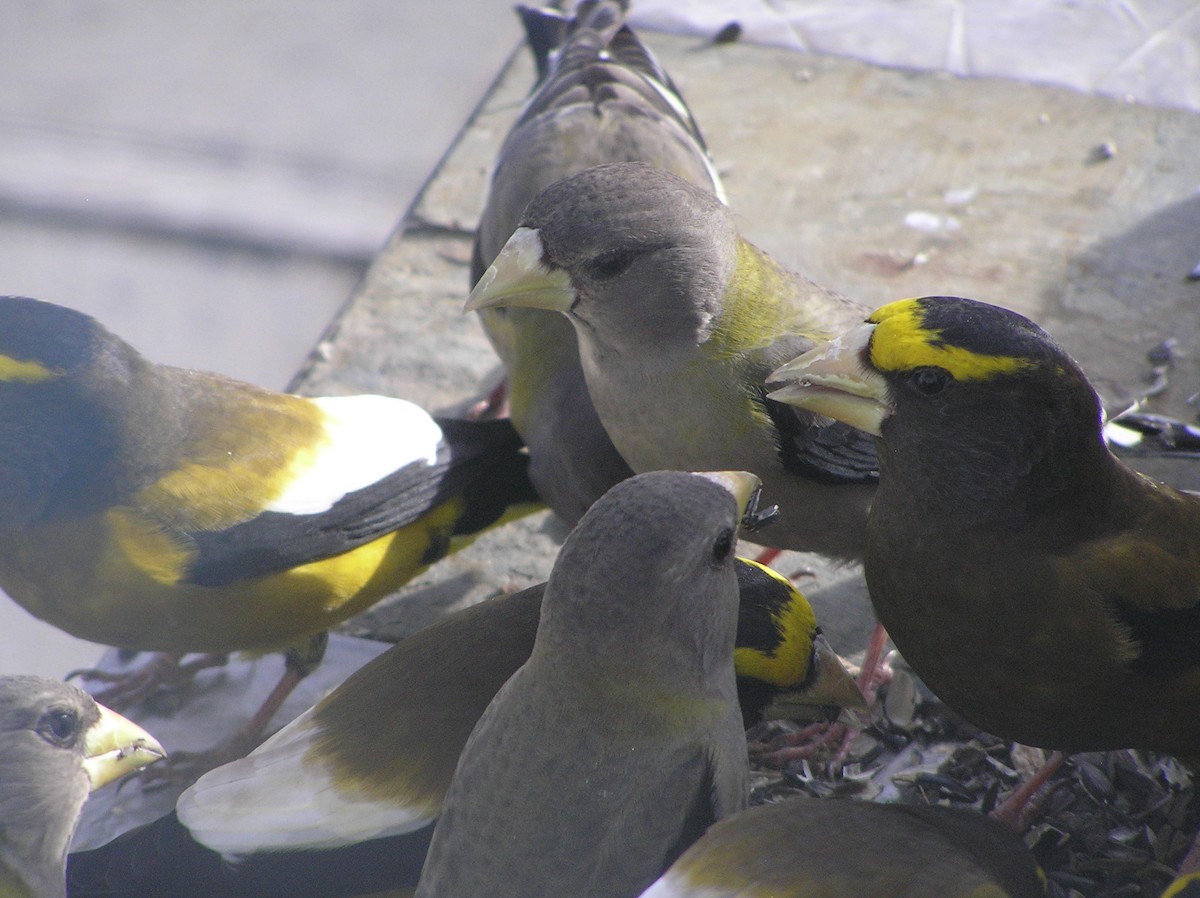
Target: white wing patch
[(675, 885), (276, 800), (366, 438)]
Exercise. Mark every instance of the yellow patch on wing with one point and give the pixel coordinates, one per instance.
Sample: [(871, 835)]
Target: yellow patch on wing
[(382, 565), (24, 372), (202, 497), (788, 663), (147, 546), (240, 461), (902, 342)]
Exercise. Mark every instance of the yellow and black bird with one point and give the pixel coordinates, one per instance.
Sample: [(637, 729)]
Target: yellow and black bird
[(165, 509), (601, 96), (56, 746), (830, 848), (1041, 588), (679, 321)]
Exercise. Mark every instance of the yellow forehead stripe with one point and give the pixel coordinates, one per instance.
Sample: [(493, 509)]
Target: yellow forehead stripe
[(16, 371), (788, 664), (901, 342)]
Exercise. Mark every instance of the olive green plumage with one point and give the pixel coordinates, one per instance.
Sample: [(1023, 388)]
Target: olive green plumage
[(153, 507), (601, 97), (832, 848), (679, 321), (1042, 589), (619, 741)]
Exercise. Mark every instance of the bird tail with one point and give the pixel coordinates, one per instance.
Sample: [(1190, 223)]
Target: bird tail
[(489, 467), (597, 35)]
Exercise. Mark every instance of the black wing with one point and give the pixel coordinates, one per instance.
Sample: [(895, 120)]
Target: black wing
[(820, 448), (481, 461)]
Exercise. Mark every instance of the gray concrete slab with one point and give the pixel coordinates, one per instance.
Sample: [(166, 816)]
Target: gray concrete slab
[(879, 183)]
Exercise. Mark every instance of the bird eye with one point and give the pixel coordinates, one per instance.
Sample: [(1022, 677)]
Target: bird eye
[(612, 263), (929, 381), (58, 726), (722, 546)]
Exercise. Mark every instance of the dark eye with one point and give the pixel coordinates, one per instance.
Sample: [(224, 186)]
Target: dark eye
[(612, 263), (929, 381), (722, 546), (58, 726)]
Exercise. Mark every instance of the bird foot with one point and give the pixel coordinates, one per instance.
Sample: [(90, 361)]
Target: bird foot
[(813, 740), (186, 767), (1018, 807), (163, 670), (767, 555), (876, 669)]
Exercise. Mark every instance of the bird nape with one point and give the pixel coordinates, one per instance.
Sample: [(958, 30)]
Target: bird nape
[(601, 723)]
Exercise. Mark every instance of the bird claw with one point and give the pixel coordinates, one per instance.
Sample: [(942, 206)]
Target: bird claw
[(182, 768), (130, 687), (809, 742)]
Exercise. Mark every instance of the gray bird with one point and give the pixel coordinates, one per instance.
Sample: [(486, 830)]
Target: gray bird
[(679, 321), (836, 847), (601, 97), (619, 741), (56, 746)]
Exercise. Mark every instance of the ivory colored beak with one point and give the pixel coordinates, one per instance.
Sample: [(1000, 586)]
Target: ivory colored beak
[(834, 380), (115, 747), (519, 279), (742, 485), (831, 686)]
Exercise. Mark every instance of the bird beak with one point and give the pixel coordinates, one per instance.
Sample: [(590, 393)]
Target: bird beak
[(518, 278), (742, 485), (830, 686), (835, 380), (115, 747)]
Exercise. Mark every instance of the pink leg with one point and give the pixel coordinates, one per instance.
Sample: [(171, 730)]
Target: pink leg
[(163, 669), (1014, 811), (494, 405)]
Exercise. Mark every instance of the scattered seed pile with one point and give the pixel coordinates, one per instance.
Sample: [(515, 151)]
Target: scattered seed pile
[(1108, 824)]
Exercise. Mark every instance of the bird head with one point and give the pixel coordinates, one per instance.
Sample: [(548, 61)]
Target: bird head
[(786, 668), (631, 254), (647, 581), (56, 746), (61, 376), (960, 392)]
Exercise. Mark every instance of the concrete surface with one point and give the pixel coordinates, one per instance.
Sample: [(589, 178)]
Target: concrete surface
[(879, 183), (211, 180)]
